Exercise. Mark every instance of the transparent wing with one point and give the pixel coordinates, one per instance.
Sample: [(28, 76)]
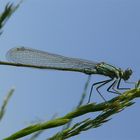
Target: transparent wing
[(30, 56)]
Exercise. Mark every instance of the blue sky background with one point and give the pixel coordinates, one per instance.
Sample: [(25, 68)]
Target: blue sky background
[(98, 30)]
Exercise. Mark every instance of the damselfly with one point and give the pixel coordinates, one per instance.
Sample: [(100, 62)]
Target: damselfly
[(27, 57)]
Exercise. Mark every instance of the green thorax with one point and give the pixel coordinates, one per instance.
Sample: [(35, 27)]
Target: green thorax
[(109, 70)]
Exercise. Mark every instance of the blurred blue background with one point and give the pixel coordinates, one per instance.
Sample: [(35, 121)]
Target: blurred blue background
[(98, 30)]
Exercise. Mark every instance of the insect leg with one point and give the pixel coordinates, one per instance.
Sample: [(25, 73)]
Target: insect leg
[(112, 86), (118, 85), (101, 84)]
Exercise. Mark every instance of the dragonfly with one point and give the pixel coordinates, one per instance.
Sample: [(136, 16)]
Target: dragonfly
[(28, 57)]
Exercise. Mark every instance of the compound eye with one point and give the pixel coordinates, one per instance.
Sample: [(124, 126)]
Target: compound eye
[(129, 71), (127, 74)]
